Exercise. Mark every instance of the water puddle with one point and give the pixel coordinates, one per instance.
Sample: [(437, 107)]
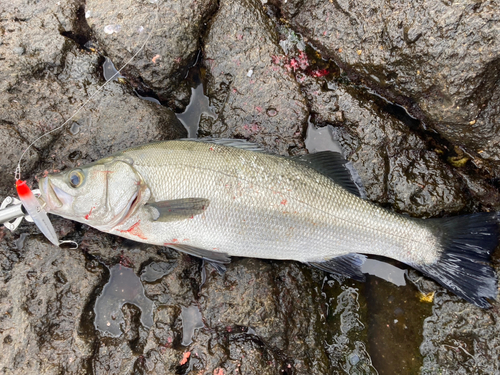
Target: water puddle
[(156, 270), (109, 70), (198, 104), (19, 243), (123, 287), (74, 129), (384, 271), (148, 98), (321, 139), (191, 320)]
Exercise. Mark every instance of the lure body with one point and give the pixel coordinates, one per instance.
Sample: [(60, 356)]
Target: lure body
[(35, 210)]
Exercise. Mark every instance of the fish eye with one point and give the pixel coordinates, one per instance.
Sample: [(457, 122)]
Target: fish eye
[(76, 178)]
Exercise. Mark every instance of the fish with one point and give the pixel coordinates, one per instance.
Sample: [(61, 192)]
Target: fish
[(214, 199)]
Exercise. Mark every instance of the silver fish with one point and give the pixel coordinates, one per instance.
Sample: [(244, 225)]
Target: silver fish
[(222, 198)]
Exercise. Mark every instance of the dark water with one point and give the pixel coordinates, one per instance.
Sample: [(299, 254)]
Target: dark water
[(393, 308)]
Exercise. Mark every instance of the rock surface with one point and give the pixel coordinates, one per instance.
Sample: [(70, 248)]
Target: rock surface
[(253, 98), (396, 167), (175, 27), (264, 82), (61, 78), (440, 59)]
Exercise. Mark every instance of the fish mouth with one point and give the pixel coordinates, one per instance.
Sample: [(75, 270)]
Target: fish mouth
[(55, 197)]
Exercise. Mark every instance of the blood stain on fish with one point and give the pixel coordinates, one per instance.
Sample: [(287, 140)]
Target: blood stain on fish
[(90, 212), (134, 230)]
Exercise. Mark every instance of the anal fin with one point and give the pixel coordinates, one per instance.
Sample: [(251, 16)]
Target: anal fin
[(348, 265), (211, 256)]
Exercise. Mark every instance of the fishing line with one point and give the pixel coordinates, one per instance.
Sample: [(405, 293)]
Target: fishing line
[(17, 172), (28, 199)]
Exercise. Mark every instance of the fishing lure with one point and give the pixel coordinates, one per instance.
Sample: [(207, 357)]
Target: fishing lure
[(37, 213)]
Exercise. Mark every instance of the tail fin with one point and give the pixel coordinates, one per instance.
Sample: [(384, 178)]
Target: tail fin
[(464, 267)]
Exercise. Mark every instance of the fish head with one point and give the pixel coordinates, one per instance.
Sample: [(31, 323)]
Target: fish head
[(102, 194)]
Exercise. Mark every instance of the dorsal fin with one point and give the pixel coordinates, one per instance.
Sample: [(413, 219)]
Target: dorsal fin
[(334, 166), (242, 144)]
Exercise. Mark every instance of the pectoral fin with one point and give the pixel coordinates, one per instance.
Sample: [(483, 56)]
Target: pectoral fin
[(211, 256), (346, 265), (177, 209)]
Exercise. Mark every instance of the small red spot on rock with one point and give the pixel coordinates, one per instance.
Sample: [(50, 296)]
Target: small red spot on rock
[(284, 201), (155, 58), (319, 73), (294, 64), (185, 358)]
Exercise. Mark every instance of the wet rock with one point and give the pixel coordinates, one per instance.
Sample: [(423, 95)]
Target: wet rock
[(40, 325), (258, 318), (31, 44), (395, 164), (32, 37), (121, 27), (253, 98), (460, 338), (439, 59), (114, 120), (61, 78)]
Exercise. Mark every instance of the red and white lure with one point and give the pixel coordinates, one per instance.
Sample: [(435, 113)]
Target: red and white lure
[(35, 210), (26, 196)]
